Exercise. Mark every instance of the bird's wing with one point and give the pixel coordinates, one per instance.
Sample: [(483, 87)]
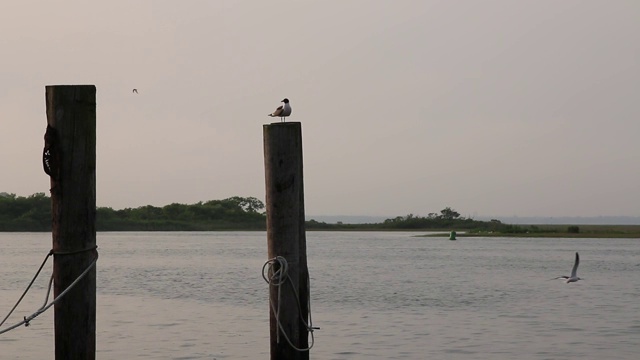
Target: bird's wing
[(561, 277), (575, 266), (277, 112), (135, 91)]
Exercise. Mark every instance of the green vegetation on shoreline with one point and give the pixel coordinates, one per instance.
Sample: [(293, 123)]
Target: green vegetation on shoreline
[(555, 231), (33, 213)]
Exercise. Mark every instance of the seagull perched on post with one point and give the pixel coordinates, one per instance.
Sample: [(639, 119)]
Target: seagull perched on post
[(283, 110), (573, 277)]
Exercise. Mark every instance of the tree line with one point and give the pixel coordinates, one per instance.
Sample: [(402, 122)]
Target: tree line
[(33, 213), (446, 219)]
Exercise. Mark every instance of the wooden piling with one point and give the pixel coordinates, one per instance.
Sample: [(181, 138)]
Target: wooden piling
[(71, 112), (286, 235)]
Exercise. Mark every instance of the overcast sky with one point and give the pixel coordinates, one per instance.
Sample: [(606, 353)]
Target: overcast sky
[(527, 108)]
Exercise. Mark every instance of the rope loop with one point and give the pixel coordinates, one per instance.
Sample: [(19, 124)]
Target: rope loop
[(277, 274), (280, 275)]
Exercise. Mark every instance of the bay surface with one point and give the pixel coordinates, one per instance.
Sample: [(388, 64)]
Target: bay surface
[(375, 295)]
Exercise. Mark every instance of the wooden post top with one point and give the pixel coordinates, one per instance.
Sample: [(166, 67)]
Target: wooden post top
[(289, 123)]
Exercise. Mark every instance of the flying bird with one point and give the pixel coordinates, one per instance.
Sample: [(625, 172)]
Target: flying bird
[(573, 277), (283, 110), (135, 91)]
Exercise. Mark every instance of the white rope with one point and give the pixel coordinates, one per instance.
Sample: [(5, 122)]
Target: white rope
[(28, 287), (45, 306), (279, 278)]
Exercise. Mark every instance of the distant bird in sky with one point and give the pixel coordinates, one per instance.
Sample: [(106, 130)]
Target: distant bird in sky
[(573, 277), (135, 91), (283, 110)]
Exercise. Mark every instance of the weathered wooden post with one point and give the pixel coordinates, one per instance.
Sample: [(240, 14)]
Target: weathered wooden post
[(286, 236), (71, 163)]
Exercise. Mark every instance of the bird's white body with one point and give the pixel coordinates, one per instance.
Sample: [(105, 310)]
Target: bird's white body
[(286, 110), (574, 272)]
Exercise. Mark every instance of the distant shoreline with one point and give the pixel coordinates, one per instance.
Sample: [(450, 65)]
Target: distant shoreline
[(513, 220), (549, 235), (557, 231), (33, 213)]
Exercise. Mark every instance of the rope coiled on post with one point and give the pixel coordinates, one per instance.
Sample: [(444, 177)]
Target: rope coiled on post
[(47, 305), (278, 278)]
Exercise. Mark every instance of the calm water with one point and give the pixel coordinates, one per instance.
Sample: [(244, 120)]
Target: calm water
[(374, 295)]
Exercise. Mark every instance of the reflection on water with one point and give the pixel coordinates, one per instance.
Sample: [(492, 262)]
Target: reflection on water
[(374, 295)]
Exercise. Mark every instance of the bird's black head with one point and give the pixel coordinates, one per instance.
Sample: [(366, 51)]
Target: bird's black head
[(286, 101)]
